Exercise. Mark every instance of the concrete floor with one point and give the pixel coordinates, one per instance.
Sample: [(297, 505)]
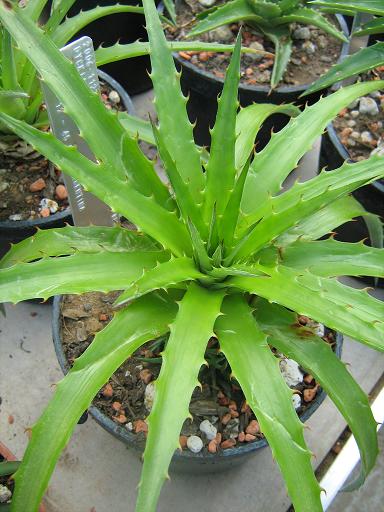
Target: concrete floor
[(96, 473)]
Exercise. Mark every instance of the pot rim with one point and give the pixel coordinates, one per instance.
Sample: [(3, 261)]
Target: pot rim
[(65, 215), (130, 438), (284, 89)]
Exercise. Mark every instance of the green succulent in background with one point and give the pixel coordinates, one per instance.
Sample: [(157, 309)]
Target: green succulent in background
[(20, 93), (221, 252), (271, 18), (363, 60)]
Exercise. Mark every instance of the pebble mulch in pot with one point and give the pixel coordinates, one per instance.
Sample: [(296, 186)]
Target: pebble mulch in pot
[(30, 188), (313, 52), (221, 417), (360, 126)]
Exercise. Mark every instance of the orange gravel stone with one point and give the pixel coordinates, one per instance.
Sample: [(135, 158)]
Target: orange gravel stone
[(140, 426), (45, 212), (37, 185), (212, 446), (229, 443), (121, 418), (183, 441), (249, 438), (107, 391), (61, 192), (146, 376), (116, 406), (253, 428), (241, 437), (226, 418)]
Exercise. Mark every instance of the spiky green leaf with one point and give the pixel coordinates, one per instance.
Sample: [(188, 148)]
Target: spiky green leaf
[(220, 169), (229, 12), (350, 311), (273, 164), (365, 59), (375, 26), (100, 180), (248, 124), (182, 359), (103, 271), (369, 6), (164, 275), (119, 51), (69, 240), (281, 38), (253, 364), (145, 319), (304, 199), (329, 258), (174, 125), (288, 337)]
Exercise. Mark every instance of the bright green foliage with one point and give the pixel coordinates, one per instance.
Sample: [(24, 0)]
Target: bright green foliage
[(365, 59), (20, 94), (271, 18), (17, 75), (210, 253)]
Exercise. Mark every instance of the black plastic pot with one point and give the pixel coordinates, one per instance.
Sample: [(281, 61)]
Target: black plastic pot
[(12, 232), (332, 155), (125, 28), (203, 88), (185, 461)]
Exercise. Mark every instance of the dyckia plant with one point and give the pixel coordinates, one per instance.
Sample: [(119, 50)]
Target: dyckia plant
[(221, 252), (20, 92), (271, 18), (363, 60)]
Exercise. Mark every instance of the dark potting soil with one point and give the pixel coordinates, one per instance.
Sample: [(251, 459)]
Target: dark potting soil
[(310, 58), (28, 183), (125, 397), (360, 126)]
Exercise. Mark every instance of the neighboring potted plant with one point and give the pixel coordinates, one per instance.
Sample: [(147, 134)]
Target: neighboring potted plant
[(224, 244), (8, 466), (280, 27), (36, 184), (359, 131), (26, 175)]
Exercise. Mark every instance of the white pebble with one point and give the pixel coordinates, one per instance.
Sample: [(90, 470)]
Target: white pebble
[(195, 444), (368, 106), (208, 429), (351, 123), (221, 34), (296, 400), (256, 57), (291, 372), (50, 204), (207, 3), (3, 186), (302, 33), (366, 137), (355, 113), (309, 47), (149, 396), (5, 494), (15, 216), (114, 97), (355, 135)]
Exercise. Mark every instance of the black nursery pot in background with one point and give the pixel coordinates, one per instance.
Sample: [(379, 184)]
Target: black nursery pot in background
[(122, 27), (332, 155), (12, 232), (203, 89)]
